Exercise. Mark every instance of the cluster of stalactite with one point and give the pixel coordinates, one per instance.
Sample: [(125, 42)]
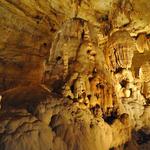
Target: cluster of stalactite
[(96, 73), (80, 70)]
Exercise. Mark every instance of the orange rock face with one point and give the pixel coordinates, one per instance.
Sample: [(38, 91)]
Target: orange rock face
[(74, 75)]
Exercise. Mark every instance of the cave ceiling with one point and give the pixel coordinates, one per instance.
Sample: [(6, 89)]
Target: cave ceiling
[(74, 73)]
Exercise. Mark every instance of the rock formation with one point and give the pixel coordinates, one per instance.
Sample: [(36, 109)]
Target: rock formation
[(74, 75)]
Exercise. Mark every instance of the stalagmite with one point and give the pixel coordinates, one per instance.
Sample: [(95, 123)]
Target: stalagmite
[(74, 75)]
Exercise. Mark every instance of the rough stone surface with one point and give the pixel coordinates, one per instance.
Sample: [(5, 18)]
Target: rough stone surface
[(74, 75)]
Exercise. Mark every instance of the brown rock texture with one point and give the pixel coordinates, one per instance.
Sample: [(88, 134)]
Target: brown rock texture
[(74, 74)]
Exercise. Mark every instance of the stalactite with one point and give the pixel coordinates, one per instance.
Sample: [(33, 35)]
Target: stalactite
[(119, 50), (142, 43), (144, 76), (120, 14), (65, 59), (89, 52)]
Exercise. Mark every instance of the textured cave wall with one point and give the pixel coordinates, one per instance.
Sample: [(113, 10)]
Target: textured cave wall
[(25, 42), (74, 75), (28, 27)]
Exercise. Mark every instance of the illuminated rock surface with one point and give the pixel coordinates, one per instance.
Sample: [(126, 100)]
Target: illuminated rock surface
[(74, 75)]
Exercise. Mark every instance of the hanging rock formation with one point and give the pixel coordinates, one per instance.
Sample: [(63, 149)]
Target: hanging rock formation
[(74, 75)]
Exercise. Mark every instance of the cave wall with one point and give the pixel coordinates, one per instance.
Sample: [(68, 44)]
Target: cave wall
[(74, 75), (28, 27)]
